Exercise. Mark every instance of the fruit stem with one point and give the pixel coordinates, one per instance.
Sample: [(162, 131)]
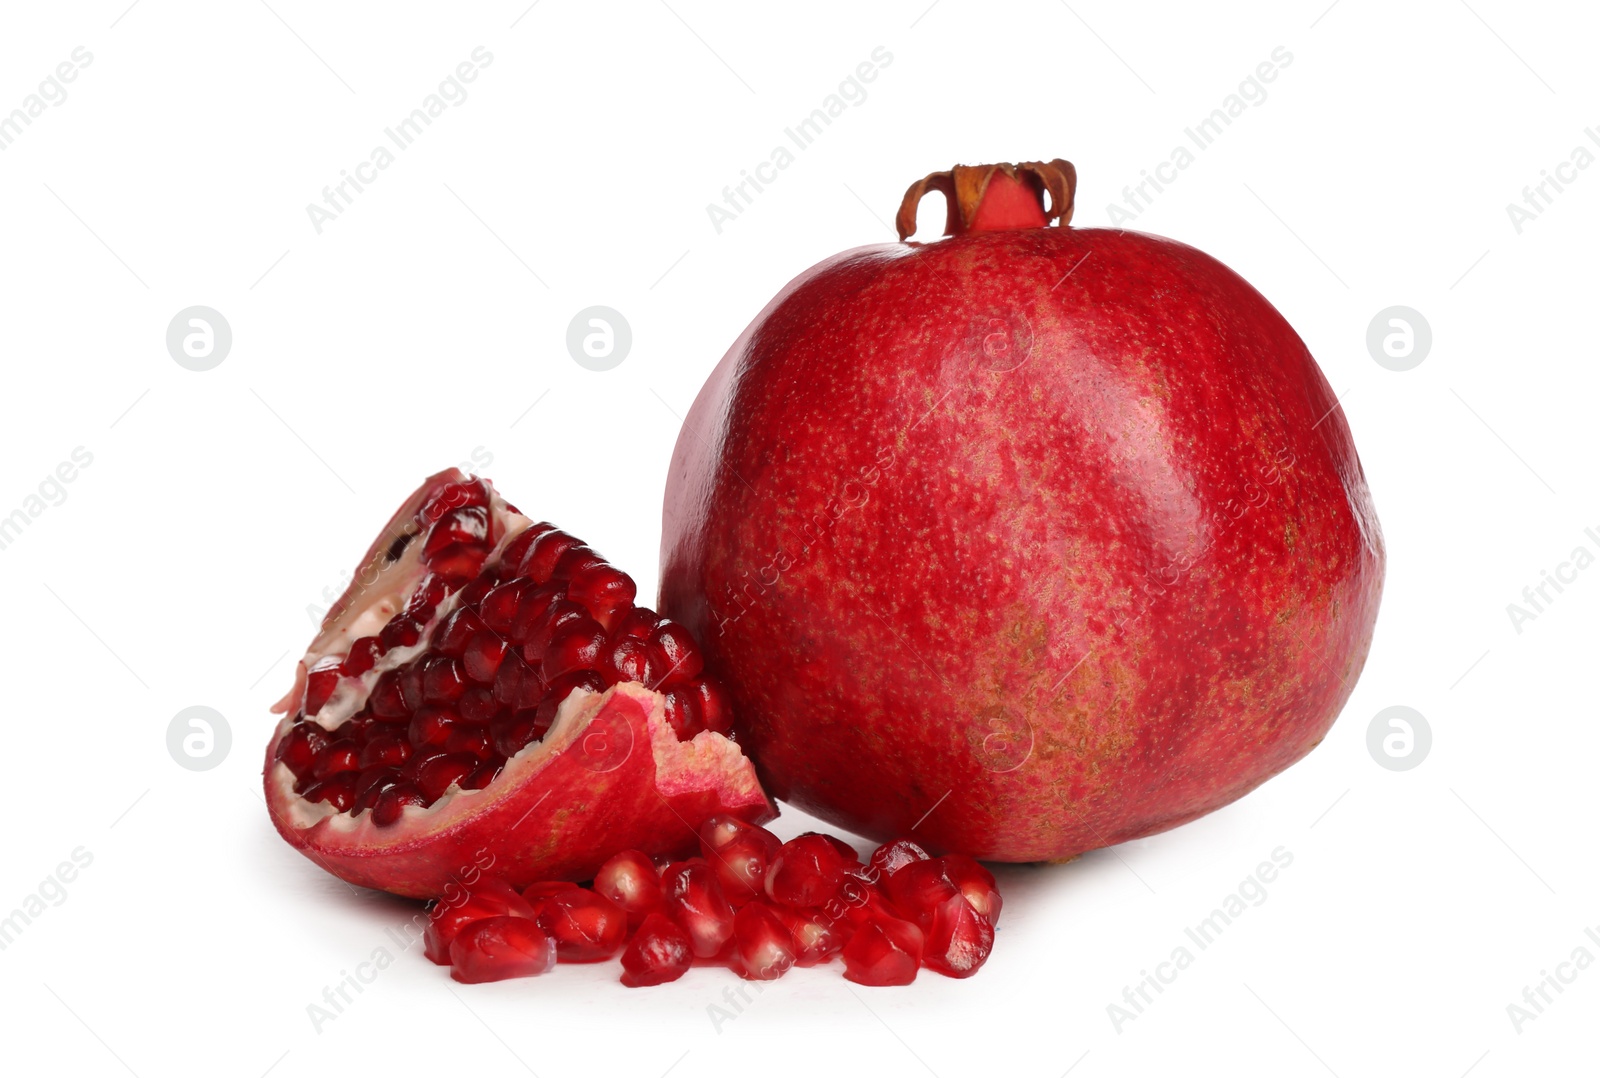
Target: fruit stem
[(993, 198)]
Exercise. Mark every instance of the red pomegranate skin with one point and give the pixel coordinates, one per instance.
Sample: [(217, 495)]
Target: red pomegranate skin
[(1022, 542)]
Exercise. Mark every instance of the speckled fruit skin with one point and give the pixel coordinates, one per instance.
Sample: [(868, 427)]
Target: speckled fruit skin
[(1022, 542)]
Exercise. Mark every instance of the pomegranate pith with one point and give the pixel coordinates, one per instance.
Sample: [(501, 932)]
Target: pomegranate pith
[(483, 693)]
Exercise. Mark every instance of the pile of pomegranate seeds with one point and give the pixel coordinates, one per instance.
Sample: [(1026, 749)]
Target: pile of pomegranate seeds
[(473, 668), (751, 903)]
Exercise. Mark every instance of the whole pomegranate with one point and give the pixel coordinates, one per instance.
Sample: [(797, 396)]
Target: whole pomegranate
[(1026, 541)]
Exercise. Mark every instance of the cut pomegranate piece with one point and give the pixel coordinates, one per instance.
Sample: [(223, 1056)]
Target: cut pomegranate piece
[(807, 871), (631, 881), (499, 948), (763, 948), (659, 953), (586, 926), (460, 907), (739, 853), (695, 900), (487, 688), (884, 950), (959, 940)]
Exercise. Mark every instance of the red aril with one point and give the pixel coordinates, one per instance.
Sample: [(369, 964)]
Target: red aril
[(1064, 520), (631, 880), (919, 889), (807, 871), (889, 858), (460, 907), (739, 853), (694, 899), (884, 950), (586, 926), (959, 939), (460, 701), (816, 936), (763, 949), (499, 948), (660, 952), (976, 884)]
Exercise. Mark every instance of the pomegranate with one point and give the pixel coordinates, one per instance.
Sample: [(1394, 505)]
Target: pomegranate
[(1025, 541), (486, 698)]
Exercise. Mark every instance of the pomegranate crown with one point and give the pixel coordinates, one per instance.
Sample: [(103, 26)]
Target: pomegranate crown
[(993, 198)]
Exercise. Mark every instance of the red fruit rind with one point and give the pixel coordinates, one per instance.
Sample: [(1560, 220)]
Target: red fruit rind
[(610, 774)]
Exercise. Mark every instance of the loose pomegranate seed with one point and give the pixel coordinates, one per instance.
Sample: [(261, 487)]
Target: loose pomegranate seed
[(889, 858), (488, 897), (807, 871), (976, 883), (918, 889), (817, 937), (763, 949), (586, 926), (740, 854), (630, 880), (693, 898), (499, 948), (959, 939), (660, 952), (884, 950)]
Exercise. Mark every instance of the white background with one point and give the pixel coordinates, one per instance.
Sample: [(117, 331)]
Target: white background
[(423, 322)]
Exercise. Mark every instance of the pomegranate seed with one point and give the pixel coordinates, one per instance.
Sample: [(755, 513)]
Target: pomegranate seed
[(429, 594), (884, 950), (630, 880), (660, 952), (499, 607), (384, 750), (763, 948), (341, 755), (918, 889), (695, 900), (473, 740), (454, 632), (959, 939), (631, 660), (488, 897), (682, 655), (430, 726), (682, 709), (463, 527), (574, 561), (339, 791), (454, 496), (976, 884), (816, 936), (535, 608), (740, 854), (435, 777), (807, 871), (321, 680), (536, 893), (442, 680), (891, 857), (370, 786), (300, 746), (637, 624), (499, 948), (847, 853), (517, 549), (486, 773), (586, 926), (716, 713), (403, 631), (364, 655), (606, 591), (392, 802), (575, 646), (477, 704), (559, 614), (411, 685), (513, 731), (545, 552), (386, 701), (508, 682), (473, 593), (484, 653)]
